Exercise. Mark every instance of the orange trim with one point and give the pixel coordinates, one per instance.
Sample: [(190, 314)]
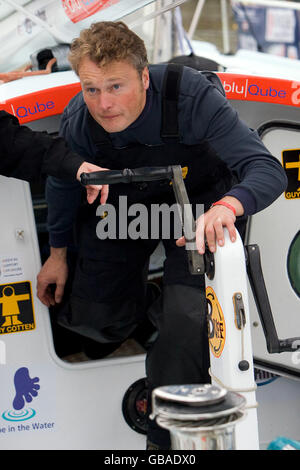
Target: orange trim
[(78, 10), (264, 89), (42, 103), (52, 101)]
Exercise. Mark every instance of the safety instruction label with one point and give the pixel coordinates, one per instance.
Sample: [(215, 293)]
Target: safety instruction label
[(16, 308), (291, 164), (216, 323), (11, 266)]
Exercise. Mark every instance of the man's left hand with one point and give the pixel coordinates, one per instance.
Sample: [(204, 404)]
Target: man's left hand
[(210, 226)]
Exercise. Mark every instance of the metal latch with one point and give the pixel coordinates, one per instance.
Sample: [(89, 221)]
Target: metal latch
[(240, 322), (239, 311)]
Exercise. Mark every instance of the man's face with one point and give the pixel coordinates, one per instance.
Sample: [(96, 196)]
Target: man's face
[(115, 94)]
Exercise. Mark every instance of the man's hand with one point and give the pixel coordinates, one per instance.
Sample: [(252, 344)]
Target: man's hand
[(93, 190), (210, 226), (53, 272)]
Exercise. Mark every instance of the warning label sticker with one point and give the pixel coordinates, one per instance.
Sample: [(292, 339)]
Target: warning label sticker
[(10, 267), (291, 164), (16, 308)]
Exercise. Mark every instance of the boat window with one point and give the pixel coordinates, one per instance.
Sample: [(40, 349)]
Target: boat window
[(293, 264), (70, 346)]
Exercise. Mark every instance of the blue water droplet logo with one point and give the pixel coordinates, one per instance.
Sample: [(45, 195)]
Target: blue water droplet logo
[(19, 415)]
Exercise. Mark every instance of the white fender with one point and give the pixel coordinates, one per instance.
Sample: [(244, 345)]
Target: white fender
[(229, 345)]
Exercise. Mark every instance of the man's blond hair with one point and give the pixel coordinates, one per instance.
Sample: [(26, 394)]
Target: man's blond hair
[(106, 42)]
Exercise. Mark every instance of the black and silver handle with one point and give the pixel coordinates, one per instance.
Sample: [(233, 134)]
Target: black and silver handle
[(260, 294), (173, 173), (127, 176)]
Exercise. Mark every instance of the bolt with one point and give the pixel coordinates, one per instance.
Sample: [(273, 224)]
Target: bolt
[(20, 234)]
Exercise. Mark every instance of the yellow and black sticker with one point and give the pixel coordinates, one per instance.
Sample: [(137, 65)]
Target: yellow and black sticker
[(184, 171), (216, 323), (291, 164), (16, 308)]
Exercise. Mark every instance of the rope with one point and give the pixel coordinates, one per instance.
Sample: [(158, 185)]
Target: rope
[(236, 390)]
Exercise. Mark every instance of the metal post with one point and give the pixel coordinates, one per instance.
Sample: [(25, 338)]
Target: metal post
[(195, 18), (225, 27), (199, 417)]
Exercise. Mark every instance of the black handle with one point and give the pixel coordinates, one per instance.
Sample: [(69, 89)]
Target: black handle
[(127, 175), (195, 260), (255, 274)]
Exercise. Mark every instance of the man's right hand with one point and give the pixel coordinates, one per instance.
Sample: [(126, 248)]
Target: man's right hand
[(92, 191), (54, 272)]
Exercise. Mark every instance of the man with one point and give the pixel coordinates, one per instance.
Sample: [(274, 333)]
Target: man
[(122, 119), (28, 155)]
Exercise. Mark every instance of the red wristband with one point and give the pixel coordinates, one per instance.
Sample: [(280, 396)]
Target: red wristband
[(223, 203)]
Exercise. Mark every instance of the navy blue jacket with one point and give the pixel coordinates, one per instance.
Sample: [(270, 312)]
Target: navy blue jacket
[(204, 115), (27, 155)]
